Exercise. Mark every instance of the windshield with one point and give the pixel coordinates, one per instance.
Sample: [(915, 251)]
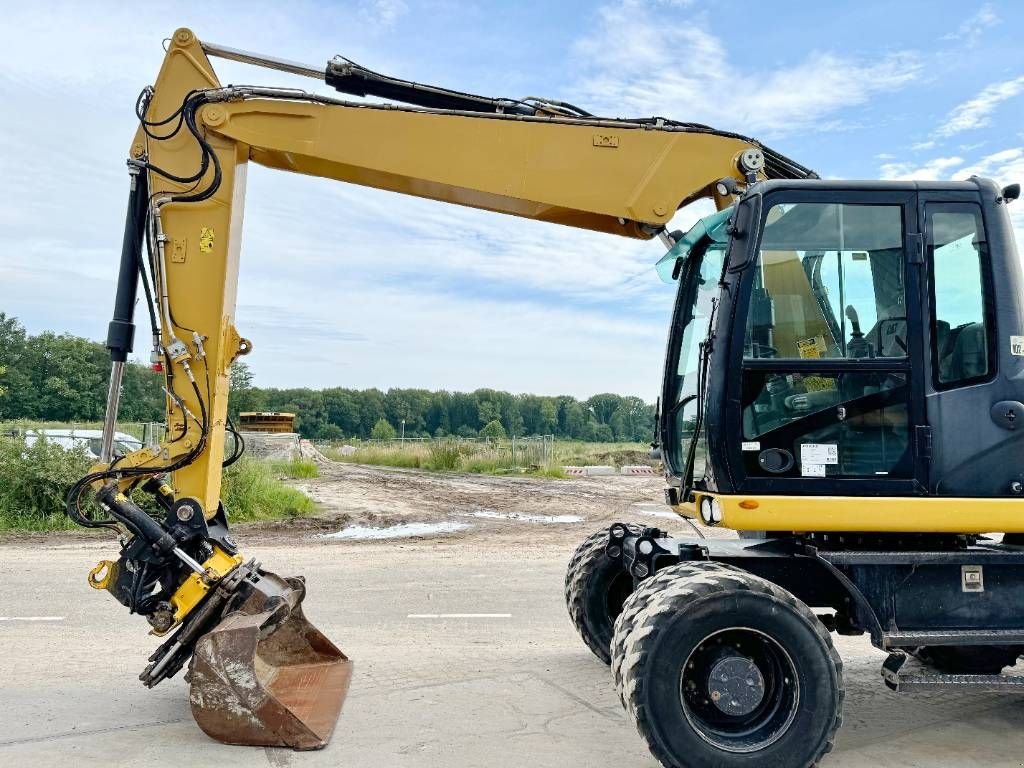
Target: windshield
[(711, 227), (698, 290)]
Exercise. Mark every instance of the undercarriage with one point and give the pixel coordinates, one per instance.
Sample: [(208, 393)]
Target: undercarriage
[(721, 648)]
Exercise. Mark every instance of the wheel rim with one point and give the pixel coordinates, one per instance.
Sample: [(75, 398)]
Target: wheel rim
[(739, 690)]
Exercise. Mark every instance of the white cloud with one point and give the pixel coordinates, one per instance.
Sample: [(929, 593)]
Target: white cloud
[(973, 27), (931, 170), (383, 12), (977, 112), (1004, 167), (635, 63)]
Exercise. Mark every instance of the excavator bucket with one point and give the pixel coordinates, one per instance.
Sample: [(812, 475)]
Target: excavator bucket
[(264, 676)]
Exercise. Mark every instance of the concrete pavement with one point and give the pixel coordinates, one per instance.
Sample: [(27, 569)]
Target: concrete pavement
[(492, 691)]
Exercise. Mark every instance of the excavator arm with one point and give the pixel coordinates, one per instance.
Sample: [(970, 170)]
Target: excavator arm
[(532, 158)]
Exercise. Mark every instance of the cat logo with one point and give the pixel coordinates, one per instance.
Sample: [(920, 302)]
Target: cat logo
[(206, 240)]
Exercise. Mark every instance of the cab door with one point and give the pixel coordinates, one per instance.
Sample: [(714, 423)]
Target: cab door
[(962, 356), (829, 398)]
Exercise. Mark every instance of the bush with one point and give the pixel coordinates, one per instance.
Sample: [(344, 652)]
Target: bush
[(251, 492), (382, 430), (33, 481), (493, 430), (445, 456)]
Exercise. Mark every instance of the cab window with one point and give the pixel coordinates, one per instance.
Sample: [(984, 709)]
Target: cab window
[(960, 332), (829, 284)]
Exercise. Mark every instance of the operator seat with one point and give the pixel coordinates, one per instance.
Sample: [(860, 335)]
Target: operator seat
[(969, 357)]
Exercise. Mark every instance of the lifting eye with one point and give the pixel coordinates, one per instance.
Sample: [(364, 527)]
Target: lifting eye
[(102, 575)]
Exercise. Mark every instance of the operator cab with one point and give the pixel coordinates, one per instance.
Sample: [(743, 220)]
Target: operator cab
[(823, 330)]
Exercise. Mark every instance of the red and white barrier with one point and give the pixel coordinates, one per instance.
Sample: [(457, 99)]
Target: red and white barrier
[(639, 469)]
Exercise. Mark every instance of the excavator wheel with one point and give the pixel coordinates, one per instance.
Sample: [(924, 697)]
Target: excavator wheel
[(720, 667), (596, 586)]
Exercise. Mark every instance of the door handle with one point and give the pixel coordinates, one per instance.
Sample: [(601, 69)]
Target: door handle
[(1008, 414)]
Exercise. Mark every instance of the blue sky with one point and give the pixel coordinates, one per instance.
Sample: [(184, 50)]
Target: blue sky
[(343, 286)]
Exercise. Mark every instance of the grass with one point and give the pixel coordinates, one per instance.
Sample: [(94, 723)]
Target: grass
[(296, 469), (252, 491), (408, 458), (490, 458)]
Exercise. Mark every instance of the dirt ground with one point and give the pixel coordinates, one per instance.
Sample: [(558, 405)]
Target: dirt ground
[(491, 506)]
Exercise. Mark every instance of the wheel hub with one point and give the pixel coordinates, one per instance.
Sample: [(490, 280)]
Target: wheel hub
[(735, 685), (738, 689)]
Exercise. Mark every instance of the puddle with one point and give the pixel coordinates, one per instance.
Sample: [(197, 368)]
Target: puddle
[(543, 519), (402, 531), (652, 509)]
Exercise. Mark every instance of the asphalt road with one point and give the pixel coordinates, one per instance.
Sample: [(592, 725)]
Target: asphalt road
[(498, 692)]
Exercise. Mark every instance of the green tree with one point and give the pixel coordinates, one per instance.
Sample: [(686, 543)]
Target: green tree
[(548, 417), (244, 396), (382, 430), (603, 406), (12, 375), (493, 430), (488, 411)]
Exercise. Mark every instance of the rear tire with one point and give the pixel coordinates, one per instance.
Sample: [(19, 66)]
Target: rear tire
[(721, 668), (596, 586)]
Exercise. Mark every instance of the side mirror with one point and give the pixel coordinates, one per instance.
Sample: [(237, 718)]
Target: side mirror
[(1010, 193)]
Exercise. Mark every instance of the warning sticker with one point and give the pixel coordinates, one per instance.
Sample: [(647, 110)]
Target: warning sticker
[(751, 446), (206, 237), (812, 470), (811, 349), (819, 453), (1017, 346)]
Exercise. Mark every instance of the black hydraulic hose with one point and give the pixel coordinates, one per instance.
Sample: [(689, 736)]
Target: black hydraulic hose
[(239, 446), (136, 519)]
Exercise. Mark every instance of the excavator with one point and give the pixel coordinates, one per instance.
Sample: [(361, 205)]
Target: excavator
[(842, 389)]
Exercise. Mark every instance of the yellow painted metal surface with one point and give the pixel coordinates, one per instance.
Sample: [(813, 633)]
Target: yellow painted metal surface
[(879, 514), (610, 178), (543, 169), (194, 588)]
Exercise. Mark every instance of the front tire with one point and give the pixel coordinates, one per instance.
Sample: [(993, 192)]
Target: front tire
[(596, 586), (722, 668)]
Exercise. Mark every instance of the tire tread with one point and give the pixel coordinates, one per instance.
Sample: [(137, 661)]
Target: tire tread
[(669, 591)]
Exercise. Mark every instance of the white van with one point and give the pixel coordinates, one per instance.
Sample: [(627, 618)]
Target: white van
[(90, 439)]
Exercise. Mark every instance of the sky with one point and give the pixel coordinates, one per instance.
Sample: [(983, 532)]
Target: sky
[(354, 287)]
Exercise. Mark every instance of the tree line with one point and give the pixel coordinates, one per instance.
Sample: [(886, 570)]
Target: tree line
[(57, 377)]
